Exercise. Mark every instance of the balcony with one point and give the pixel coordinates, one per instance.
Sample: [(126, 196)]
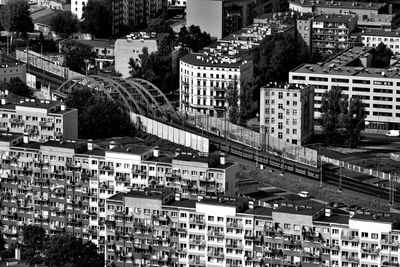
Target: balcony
[(17, 121), (46, 124), (197, 242), (107, 168), (234, 245), (350, 259), (197, 221), (234, 225)]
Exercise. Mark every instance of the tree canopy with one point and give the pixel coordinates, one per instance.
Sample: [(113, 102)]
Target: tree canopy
[(381, 56), (15, 17), (76, 54), (153, 67), (64, 23), (278, 54), (33, 240), (194, 38), (97, 18), (342, 117), (18, 87), (99, 117)]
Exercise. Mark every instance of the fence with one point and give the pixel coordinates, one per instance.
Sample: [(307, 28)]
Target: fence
[(224, 128), (170, 133), (37, 60)]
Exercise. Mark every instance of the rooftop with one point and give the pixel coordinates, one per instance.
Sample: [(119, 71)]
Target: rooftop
[(306, 209), (212, 160), (380, 33), (261, 211), (347, 64), (335, 4), (106, 43), (146, 193), (204, 60), (377, 217), (334, 18), (293, 86)]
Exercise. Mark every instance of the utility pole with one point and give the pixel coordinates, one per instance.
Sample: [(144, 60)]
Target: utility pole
[(320, 166)]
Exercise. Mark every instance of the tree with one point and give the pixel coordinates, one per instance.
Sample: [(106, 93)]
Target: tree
[(352, 121), (18, 87), (332, 106), (381, 56), (97, 18), (34, 238), (232, 97), (66, 250), (99, 117), (246, 101), (15, 17), (278, 54), (77, 55), (155, 68), (64, 23), (194, 38)]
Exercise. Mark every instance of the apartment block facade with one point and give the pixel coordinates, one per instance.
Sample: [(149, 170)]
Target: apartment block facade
[(40, 120), (132, 13), (287, 112), (77, 7), (157, 228), (62, 185), (353, 72), (12, 71), (373, 38)]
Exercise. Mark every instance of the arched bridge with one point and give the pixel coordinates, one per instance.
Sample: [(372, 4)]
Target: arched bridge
[(133, 94)]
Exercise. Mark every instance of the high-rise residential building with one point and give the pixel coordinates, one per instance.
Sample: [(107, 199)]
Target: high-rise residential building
[(354, 72), (77, 7), (220, 18), (40, 120), (287, 112), (206, 76), (132, 13), (371, 15), (62, 185), (372, 38)]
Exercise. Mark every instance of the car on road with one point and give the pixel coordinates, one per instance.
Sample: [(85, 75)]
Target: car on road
[(393, 133), (305, 194)]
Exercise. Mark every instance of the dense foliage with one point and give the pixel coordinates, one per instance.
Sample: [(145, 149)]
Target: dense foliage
[(97, 18), (17, 87), (99, 117), (77, 55), (15, 17), (194, 38), (64, 23)]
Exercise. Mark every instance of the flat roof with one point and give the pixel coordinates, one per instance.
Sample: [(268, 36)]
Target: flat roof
[(377, 217), (7, 137), (380, 33), (212, 160), (334, 219), (333, 18), (196, 59), (183, 203), (308, 209), (346, 64), (149, 193), (261, 211), (106, 43), (338, 4)]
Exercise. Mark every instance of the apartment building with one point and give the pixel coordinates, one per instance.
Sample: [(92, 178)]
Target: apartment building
[(10, 71), (304, 31), (41, 120), (77, 7), (205, 76), (372, 38), (132, 13), (131, 47), (371, 15), (159, 227), (287, 112), (62, 185), (333, 32), (220, 18), (353, 72)]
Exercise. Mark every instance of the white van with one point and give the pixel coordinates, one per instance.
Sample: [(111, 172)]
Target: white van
[(393, 133)]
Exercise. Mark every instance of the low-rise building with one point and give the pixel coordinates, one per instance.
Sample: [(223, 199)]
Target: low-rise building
[(10, 71), (354, 73), (372, 38), (39, 120), (131, 47), (371, 15), (287, 112)]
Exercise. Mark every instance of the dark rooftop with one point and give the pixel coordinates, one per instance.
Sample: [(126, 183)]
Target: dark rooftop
[(193, 60), (261, 211), (184, 203), (335, 218)]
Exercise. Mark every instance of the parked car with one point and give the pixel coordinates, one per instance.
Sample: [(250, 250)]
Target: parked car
[(393, 133), (304, 194)]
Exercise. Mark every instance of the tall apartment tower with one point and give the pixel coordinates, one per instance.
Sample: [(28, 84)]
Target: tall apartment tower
[(131, 13)]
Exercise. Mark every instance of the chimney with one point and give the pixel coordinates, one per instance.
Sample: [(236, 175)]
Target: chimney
[(6, 92), (3, 101), (251, 204), (62, 107), (26, 138), (17, 254), (156, 152), (177, 196), (327, 212), (177, 152), (90, 145), (112, 145), (222, 158)]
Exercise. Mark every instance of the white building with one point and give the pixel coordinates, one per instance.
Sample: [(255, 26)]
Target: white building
[(287, 112), (77, 7), (373, 38), (131, 47), (353, 72)]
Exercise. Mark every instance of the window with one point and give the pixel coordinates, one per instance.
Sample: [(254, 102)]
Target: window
[(294, 131), (280, 135), (280, 95), (280, 115), (374, 236), (364, 234), (211, 218), (280, 125)]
